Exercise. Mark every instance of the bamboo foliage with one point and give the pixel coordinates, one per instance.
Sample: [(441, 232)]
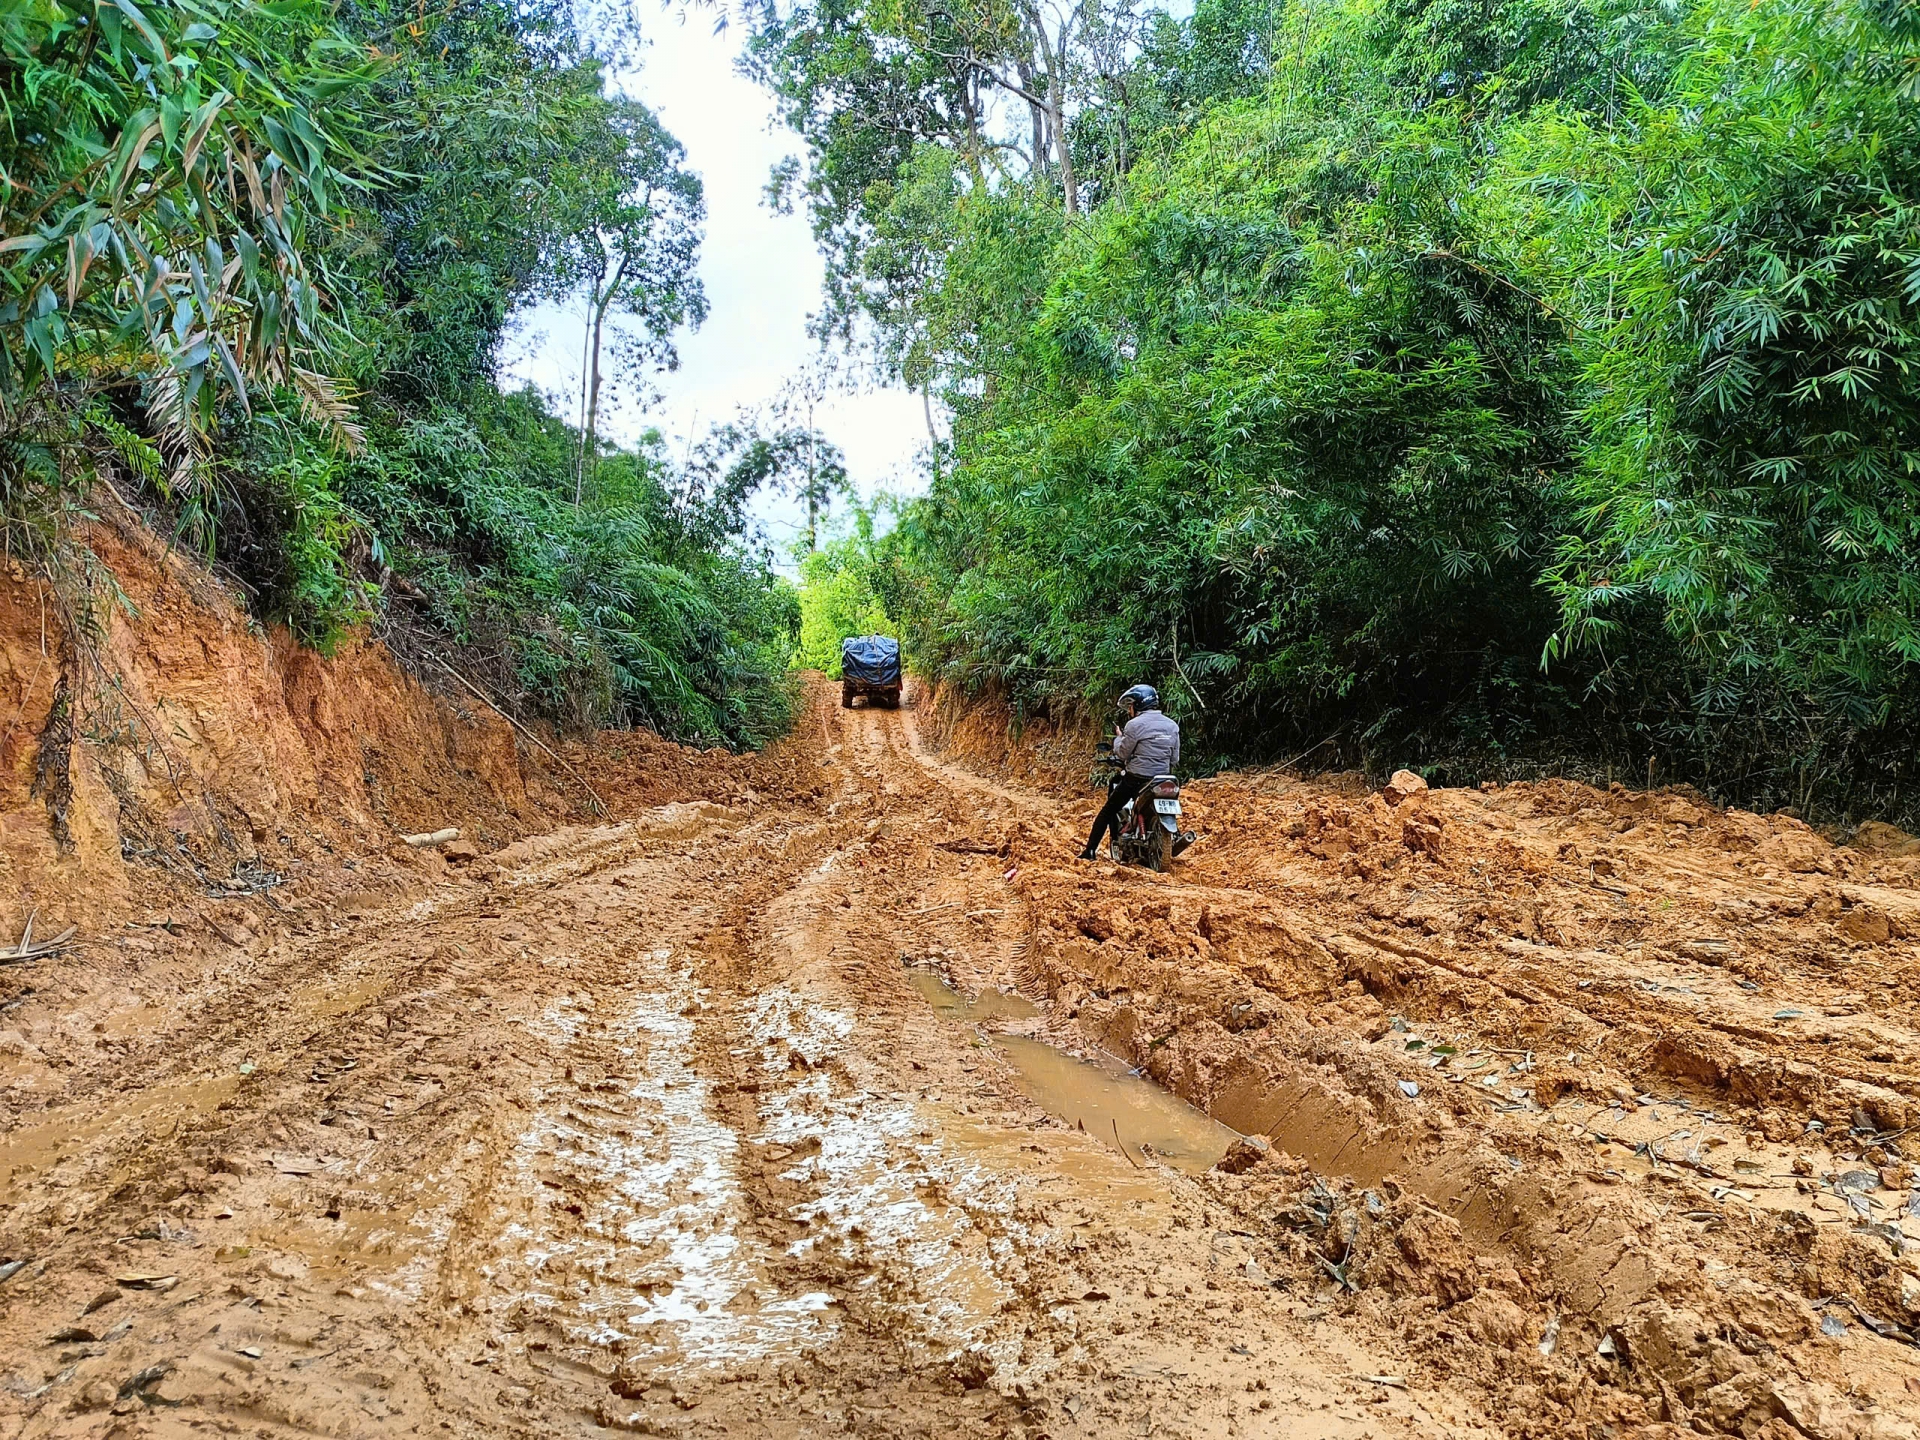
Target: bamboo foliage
[(162, 174), (1476, 382)]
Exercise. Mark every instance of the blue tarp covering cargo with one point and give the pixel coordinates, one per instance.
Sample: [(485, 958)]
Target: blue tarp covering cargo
[(871, 659)]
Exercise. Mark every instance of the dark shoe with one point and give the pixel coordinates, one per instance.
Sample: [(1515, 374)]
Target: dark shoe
[(1089, 855)]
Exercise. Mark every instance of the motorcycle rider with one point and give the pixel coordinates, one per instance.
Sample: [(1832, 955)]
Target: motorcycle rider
[(1146, 746)]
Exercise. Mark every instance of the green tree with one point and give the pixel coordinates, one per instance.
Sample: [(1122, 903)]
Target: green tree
[(163, 176), (838, 595), (224, 218)]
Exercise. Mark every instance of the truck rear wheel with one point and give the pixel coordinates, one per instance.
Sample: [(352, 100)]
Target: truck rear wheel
[(846, 696), (891, 699)]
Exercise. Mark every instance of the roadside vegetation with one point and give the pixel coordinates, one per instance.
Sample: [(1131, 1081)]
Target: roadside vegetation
[(258, 260), (1479, 385), (840, 593)]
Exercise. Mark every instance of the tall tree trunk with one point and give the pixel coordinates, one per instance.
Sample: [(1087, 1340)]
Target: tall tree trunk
[(586, 385), (813, 486), (586, 358), (1069, 187), (1037, 115), (1124, 139), (1057, 104), (976, 148), (589, 442)]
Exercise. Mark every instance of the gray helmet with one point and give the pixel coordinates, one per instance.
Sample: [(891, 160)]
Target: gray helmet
[(1142, 697)]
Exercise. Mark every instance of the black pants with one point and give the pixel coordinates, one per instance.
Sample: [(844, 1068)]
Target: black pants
[(1122, 788)]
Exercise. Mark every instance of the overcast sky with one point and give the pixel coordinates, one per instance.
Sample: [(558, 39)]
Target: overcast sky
[(762, 278)]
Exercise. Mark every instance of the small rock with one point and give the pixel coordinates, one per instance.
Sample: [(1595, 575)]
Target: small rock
[(97, 1394), (973, 1369), (1245, 1153), (1679, 812), (142, 1280), (145, 1380), (460, 852), (1867, 924), (1404, 786)]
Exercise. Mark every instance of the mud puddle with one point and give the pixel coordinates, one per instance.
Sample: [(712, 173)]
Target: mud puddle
[(1107, 1100), (1101, 1096), (987, 1005)]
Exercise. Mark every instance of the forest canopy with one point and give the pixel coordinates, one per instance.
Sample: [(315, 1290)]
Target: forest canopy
[(258, 261), (1471, 383)]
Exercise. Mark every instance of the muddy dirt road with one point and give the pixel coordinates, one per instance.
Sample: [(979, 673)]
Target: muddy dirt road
[(742, 1119)]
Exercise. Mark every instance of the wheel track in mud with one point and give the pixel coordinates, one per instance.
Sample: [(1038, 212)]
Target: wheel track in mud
[(262, 1011), (394, 977)]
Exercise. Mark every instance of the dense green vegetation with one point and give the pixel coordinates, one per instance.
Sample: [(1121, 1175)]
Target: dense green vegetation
[(257, 262), (1466, 382), (839, 596)]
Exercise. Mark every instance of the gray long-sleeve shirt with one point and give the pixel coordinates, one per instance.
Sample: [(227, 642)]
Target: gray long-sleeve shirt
[(1149, 745)]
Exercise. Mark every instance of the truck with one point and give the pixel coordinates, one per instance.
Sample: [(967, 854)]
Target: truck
[(870, 666)]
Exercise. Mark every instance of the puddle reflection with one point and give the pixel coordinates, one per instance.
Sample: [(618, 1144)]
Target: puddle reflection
[(987, 1005)]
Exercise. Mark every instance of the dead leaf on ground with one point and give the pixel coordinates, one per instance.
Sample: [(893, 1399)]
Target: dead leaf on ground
[(141, 1280)]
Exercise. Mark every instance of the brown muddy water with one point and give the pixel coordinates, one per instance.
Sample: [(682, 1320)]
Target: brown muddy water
[(1100, 1095)]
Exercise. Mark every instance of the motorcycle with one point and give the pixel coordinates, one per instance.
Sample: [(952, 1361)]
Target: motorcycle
[(1150, 833)]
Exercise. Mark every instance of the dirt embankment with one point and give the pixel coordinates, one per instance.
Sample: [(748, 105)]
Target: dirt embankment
[(1050, 753), (182, 762)]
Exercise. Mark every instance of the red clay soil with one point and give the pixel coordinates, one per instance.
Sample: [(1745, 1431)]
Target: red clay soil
[(1600, 1099), (1571, 1112), (185, 756)]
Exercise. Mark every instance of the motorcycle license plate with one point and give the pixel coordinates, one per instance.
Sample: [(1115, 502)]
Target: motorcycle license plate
[(1166, 807)]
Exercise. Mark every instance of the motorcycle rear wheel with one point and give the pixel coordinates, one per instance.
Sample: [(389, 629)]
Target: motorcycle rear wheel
[(1160, 850)]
